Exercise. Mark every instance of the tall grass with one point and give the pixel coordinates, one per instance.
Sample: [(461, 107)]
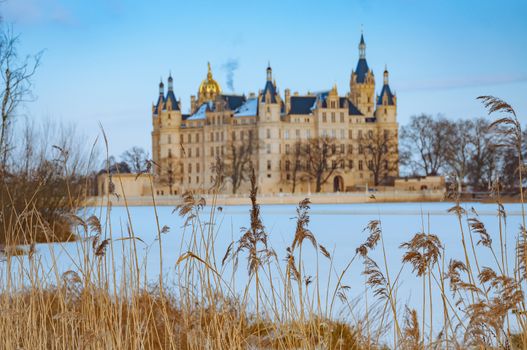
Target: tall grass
[(107, 300)]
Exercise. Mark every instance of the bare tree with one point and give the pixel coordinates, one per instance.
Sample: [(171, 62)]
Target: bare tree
[(136, 158), (15, 73), (484, 156), (459, 149), (292, 162), (322, 159), (379, 150), (236, 163), (424, 142)]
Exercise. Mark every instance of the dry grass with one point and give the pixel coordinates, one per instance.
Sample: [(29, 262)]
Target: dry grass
[(106, 301)]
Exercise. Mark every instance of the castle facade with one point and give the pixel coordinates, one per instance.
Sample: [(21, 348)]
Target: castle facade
[(269, 129)]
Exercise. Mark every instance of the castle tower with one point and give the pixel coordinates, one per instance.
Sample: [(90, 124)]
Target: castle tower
[(166, 121), (362, 83), (269, 112), (269, 100), (208, 89), (386, 109)]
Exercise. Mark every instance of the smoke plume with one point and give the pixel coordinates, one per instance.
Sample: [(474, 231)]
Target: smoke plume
[(230, 66)]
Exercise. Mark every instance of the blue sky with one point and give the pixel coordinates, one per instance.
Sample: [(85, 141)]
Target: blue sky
[(103, 58)]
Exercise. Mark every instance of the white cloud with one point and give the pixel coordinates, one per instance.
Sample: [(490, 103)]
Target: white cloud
[(35, 11)]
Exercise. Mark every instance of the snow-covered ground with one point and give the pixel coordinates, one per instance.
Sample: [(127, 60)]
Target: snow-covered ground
[(337, 227)]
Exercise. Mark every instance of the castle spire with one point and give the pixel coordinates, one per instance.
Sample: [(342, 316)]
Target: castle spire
[(170, 82), (161, 88), (209, 72), (269, 72), (362, 47), (385, 75)]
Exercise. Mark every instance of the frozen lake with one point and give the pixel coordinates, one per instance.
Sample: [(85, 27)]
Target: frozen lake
[(337, 227)]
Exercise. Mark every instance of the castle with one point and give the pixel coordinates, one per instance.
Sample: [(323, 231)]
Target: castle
[(187, 148)]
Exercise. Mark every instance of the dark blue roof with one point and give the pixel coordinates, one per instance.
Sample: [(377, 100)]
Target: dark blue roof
[(386, 91), (362, 39), (302, 104), (352, 109), (269, 86), (185, 116), (173, 101), (160, 101), (233, 101), (362, 70), (370, 120)]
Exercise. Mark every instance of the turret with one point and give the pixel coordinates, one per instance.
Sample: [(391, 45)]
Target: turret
[(386, 110), (362, 83)]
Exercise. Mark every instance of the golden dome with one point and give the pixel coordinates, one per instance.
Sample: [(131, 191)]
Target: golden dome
[(209, 88)]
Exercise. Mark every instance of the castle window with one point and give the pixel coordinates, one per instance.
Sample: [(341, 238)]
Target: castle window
[(350, 149), (268, 133), (370, 134), (288, 176), (342, 134), (308, 134), (234, 135), (350, 134), (360, 134), (361, 151), (268, 146), (217, 136), (341, 117), (169, 153), (370, 164), (197, 179), (360, 165), (324, 117), (386, 134), (350, 164), (211, 136), (197, 152), (189, 138), (287, 165), (189, 179), (221, 136), (333, 105), (217, 151), (197, 137), (342, 147), (268, 165), (250, 135), (222, 150), (189, 168), (168, 115), (197, 167), (297, 133), (287, 149), (169, 139), (212, 151), (369, 99), (332, 117), (286, 134), (333, 133)]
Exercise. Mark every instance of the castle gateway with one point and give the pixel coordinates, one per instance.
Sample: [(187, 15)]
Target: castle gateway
[(318, 142)]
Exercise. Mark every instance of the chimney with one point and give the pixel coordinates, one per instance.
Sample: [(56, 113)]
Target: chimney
[(287, 101)]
